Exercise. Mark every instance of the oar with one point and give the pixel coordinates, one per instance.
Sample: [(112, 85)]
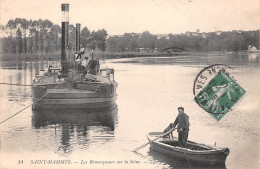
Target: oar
[(154, 140)]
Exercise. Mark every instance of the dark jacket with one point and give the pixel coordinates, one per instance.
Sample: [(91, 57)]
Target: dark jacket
[(92, 63), (183, 122)]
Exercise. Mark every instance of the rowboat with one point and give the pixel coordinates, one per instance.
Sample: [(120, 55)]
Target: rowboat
[(195, 152)]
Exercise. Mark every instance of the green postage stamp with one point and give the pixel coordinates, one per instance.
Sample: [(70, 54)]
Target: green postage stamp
[(220, 93)]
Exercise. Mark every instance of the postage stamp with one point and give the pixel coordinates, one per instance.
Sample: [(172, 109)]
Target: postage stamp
[(216, 91)]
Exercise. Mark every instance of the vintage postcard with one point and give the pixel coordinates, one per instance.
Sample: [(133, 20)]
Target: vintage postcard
[(129, 84)]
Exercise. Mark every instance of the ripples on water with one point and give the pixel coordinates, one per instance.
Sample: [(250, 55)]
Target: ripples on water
[(149, 92)]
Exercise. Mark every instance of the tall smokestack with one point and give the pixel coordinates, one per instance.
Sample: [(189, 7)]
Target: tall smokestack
[(64, 31), (77, 37)]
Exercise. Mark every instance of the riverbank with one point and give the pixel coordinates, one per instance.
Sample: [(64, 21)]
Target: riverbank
[(100, 55), (106, 55), (116, 55)]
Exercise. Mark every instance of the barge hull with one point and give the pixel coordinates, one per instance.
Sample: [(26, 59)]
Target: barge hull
[(96, 105)]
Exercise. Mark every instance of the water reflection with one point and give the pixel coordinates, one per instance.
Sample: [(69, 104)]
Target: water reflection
[(77, 127), (157, 157), (252, 57)]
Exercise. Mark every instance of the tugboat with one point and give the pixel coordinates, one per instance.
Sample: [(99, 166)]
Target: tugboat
[(68, 86)]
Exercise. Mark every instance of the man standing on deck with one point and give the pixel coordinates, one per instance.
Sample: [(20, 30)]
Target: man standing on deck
[(85, 63), (81, 52), (93, 65), (49, 66), (183, 127)]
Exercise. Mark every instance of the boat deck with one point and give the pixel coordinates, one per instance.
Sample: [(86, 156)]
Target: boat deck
[(97, 78), (48, 80), (69, 91), (53, 79)]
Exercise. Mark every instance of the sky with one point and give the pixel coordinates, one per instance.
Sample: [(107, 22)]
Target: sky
[(156, 16)]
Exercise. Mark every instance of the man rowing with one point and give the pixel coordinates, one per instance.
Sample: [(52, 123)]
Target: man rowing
[(183, 127)]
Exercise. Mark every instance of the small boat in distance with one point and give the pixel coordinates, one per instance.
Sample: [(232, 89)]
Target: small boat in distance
[(194, 152)]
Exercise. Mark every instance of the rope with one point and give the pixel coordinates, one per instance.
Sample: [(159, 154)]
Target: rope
[(29, 104), (23, 109)]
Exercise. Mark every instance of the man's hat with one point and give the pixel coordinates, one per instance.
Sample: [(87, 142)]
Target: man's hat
[(180, 108)]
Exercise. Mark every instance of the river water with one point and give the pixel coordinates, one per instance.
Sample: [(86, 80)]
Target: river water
[(149, 91)]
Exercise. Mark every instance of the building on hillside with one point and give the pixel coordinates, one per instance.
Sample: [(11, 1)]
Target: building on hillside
[(159, 36), (203, 34), (195, 34), (218, 32), (187, 33), (239, 31)]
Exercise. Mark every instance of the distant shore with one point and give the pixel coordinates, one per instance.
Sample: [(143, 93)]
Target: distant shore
[(105, 55)]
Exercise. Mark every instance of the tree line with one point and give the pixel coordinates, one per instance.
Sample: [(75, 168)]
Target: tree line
[(226, 41), (43, 37)]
